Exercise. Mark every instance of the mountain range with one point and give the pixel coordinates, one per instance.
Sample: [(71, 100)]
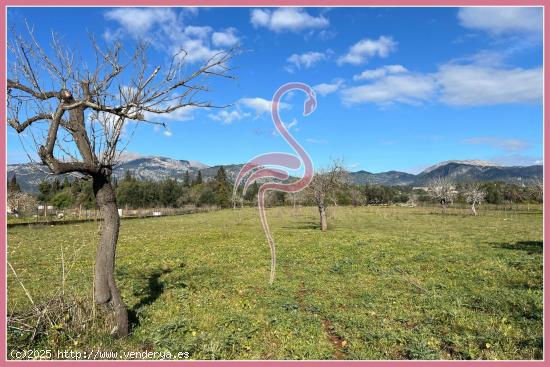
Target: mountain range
[(29, 175)]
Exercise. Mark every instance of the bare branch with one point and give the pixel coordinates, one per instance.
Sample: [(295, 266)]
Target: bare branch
[(20, 127), (75, 87), (37, 94)]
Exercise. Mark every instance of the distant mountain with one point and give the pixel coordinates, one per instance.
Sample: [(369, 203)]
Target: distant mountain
[(471, 162), (29, 175), (390, 178), (461, 172), (157, 168)]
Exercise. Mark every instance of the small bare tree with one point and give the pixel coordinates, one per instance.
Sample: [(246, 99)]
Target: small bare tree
[(441, 190), (297, 198), (536, 188), (237, 200), (76, 110), (323, 187), (474, 195), (357, 195), (20, 202)]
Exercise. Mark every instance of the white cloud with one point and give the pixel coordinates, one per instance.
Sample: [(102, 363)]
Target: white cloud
[(196, 50), (325, 89), (163, 129), (470, 85), (139, 21), (226, 38), (244, 108), (452, 84), (407, 88), (305, 60), (197, 31), (509, 145), (380, 72), (182, 114), (259, 105), (499, 20), (227, 117), (367, 48), (164, 29), (286, 19)]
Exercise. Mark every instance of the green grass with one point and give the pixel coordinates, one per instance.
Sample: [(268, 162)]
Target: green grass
[(382, 283)]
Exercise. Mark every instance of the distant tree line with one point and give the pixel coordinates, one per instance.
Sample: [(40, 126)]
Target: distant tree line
[(67, 193), (173, 193), (496, 192), (135, 193)]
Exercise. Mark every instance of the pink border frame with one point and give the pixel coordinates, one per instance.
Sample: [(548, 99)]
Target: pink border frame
[(3, 153)]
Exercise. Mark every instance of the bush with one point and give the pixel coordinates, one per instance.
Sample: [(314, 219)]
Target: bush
[(63, 200)]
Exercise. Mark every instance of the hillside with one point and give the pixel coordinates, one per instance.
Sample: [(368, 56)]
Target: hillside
[(159, 168)]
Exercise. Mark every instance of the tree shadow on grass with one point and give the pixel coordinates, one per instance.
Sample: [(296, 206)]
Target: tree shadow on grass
[(154, 289), (303, 225), (531, 247)]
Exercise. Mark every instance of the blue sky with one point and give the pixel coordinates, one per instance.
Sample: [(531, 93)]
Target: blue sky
[(397, 88)]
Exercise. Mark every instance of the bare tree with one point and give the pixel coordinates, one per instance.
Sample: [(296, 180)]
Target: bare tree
[(237, 200), (20, 202), (474, 195), (76, 110), (357, 195), (441, 189), (536, 188), (324, 185), (296, 198)]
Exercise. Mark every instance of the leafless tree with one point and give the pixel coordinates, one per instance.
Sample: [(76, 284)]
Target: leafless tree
[(536, 187), (237, 200), (357, 195), (20, 202), (323, 187), (76, 111), (441, 189), (296, 198), (474, 195)]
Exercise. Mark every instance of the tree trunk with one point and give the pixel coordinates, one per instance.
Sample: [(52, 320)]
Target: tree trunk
[(474, 209), (106, 292), (323, 217)]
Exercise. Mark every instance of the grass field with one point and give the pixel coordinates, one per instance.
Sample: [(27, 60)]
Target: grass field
[(381, 283)]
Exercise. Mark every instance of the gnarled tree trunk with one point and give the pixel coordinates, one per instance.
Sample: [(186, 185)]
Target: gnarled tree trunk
[(106, 292), (323, 217), (69, 97), (474, 209)]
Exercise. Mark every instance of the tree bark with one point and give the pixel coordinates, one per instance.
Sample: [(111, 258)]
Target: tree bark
[(323, 217), (106, 292), (474, 209)]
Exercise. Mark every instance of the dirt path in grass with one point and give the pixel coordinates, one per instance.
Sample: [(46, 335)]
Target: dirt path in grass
[(335, 340)]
